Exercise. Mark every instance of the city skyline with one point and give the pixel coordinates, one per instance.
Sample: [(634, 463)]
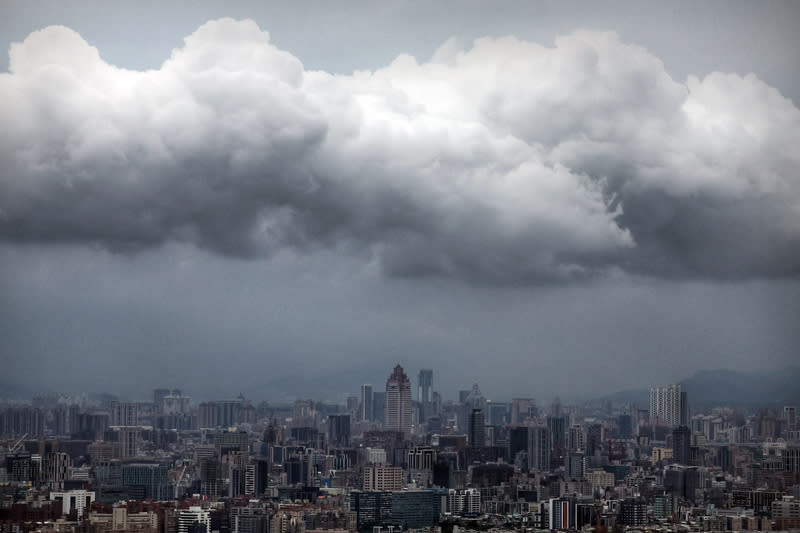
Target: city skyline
[(303, 266), (167, 464), (742, 390), (288, 199)]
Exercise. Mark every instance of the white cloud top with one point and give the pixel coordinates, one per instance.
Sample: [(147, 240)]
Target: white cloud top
[(507, 162)]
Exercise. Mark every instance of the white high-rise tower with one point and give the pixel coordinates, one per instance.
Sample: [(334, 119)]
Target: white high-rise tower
[(398, 401), (665, 404)]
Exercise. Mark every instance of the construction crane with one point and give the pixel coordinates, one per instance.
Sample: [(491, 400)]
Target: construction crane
[(17, 444), (178, 483)]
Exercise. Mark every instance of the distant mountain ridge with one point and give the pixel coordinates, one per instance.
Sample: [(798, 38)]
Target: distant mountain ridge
[(709, 388)]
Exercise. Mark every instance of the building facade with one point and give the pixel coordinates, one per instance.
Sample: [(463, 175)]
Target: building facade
[(666, 405), (398, 401)]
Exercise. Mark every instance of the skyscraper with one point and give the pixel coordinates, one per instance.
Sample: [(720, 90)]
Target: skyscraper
[(790, 415), (158, 398), (339, 431), (366, 402), (557, 425), (681, 441), (124, 413), (398, 401), (425, 385), (477, 433), (538, 448), (522, 409), (379, 406), (666, 404)]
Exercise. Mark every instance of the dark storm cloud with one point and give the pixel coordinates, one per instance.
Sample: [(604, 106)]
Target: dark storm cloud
[(506, 162)]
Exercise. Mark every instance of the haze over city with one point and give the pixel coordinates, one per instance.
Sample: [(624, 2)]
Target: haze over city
[(289, 199), (399, 267)]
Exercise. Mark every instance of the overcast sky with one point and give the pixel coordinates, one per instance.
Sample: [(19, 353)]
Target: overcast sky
[(287, 199)]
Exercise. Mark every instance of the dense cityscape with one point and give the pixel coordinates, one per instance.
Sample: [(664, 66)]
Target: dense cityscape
[(452, 266), (396, 457)]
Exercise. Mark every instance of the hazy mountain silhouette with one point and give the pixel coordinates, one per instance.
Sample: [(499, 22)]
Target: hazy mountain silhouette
[(708, 388)]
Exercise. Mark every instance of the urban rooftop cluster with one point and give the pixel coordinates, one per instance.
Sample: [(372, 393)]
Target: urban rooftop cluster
[(392, 459)]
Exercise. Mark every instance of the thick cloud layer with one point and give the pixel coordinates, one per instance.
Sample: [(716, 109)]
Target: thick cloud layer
[(506, 162)]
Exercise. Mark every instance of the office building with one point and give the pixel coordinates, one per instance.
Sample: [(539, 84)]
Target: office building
[(231, 441), (339, 431), (522, 409), (421, 458), (367, 412), (681, 443), (497, 413), (398, 401), (425, 386), (371, 508), (379, 406), (625, 426), (477, 431), (538, 448), (562, 514), (575, 465), (594, 439), (518, 446), (78, 500), (557, 425), (146, 481), (425, 398), (416, 509)]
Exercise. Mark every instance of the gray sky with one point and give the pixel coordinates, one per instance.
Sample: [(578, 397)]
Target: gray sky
[(590, 197)]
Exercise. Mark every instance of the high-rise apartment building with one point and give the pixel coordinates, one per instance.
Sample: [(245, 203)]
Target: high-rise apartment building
[(128, 437), (666, 404), (124, 414), (175, 403), (382, 477), (158, 398), (22, 420), (576, 439), (187, 518), (398, 401), (790, 415)]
